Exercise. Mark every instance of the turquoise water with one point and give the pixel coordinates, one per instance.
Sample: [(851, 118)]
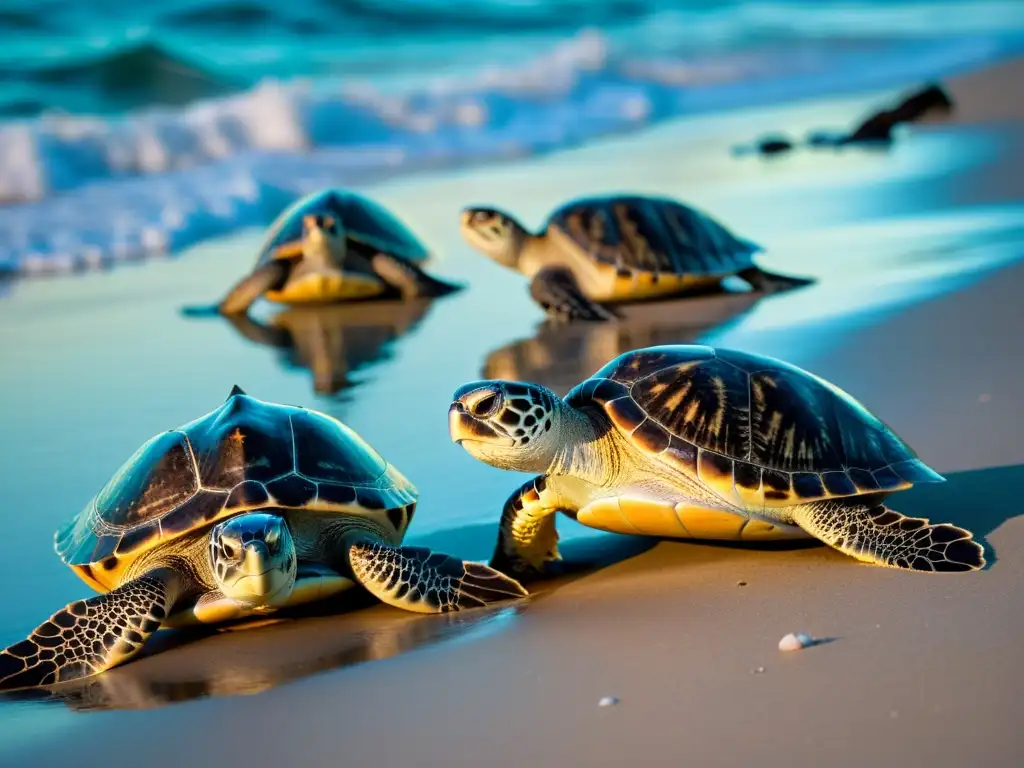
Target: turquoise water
[(127, 131)]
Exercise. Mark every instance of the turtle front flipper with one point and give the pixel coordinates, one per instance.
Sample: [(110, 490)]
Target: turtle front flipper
[(876, 534), (527, 545), (408, 279), (91, 636), (556, 289), (271, 275), (416, 579), (770, 282)]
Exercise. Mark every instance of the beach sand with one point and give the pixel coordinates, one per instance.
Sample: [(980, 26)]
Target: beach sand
[(923, 325)]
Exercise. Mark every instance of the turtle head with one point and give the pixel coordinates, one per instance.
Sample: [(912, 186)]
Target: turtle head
[(495, 234), (510, 425), (253, 559), (322, 238)]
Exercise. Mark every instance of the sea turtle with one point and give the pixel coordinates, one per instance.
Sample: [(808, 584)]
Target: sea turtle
[(690, 441), (253, 507), (605, 250), (333, 246)]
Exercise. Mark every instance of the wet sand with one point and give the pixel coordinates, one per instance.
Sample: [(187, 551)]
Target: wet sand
[(917, 250)]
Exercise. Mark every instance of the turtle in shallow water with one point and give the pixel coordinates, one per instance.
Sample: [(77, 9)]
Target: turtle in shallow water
[(601, 251), (689, 441), (334, 246), (251, 508)]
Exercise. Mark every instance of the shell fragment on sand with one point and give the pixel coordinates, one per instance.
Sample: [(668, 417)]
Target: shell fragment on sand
[(795, 642)]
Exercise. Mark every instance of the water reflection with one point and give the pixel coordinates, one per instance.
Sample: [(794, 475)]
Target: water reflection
[(334, 341), (252, 657), (560, 356)]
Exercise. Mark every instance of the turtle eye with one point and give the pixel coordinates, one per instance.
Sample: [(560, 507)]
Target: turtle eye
[(479, 217), (485, 406), (229, 550)]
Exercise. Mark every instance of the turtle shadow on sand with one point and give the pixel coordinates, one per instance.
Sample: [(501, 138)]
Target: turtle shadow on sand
[(250, 657), (561, 355), (979, 500), (333, 341)]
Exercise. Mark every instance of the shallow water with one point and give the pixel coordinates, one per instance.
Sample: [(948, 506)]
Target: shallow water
[(97, 364)]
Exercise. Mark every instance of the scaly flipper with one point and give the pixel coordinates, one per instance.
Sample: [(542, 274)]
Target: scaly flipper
[(557, 291), (527, 545), (770, 282), (271, 275), (877, 534), (416, 579), (90, 636), (408, 279)]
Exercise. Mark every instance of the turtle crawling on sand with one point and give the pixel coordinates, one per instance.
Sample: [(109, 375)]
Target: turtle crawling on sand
[(690, 441), (251, 508), (604, 250), (334, 246)]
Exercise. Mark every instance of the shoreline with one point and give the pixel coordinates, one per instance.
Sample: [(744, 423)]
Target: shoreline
[(236, 195)]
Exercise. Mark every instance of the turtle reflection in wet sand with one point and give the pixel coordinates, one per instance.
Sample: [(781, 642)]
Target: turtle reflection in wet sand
[(243, 663), (335, 246), (334, 341), (559, 355), (691, 441), (251, 508)]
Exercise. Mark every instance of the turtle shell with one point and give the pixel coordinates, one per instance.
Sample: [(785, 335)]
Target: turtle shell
[(637, 234), (246, 455), (363, 220), (755, 430)]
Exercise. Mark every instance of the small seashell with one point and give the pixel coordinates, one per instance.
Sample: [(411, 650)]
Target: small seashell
[(741, 583), (795, 642), (757, 671), (608, 701)]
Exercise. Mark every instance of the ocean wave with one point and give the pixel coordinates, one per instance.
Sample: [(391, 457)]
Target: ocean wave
[(139, 74), (89, 192)]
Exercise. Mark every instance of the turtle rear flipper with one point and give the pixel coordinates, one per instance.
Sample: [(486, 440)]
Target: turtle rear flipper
[(408, 279), (416, 579), (876, 534), (556, 289), (265, 278), (90, 636), (771, 282)]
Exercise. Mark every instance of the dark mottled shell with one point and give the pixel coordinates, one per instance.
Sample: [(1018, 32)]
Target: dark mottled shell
[(364, 221), (751, 427), (246, 455), (652, 234)]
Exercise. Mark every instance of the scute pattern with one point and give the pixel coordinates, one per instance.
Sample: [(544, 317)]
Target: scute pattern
[(249, 455), (328, 450), (767, 432), (156, 479), (651, 234), (362, 219)]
